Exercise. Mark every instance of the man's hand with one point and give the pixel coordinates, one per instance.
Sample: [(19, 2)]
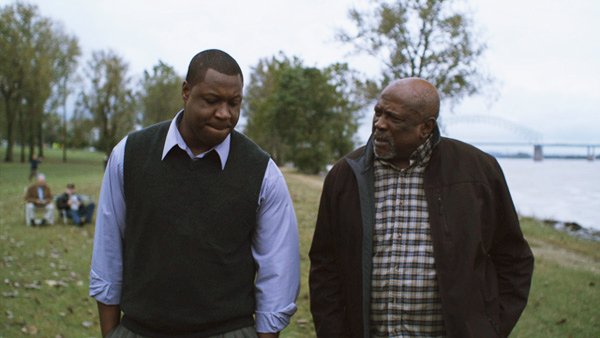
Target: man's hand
[(110, 317)]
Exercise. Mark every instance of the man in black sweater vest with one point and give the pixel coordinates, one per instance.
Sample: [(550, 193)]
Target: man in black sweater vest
[(196, 234)]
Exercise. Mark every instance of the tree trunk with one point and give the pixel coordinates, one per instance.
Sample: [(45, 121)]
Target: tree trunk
[(10, 122), (22, 135), (31, 134), (64, 130), (40, 135)]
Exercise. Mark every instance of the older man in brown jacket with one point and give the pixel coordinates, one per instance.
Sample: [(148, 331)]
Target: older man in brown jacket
[(417, 234), (38, 195)]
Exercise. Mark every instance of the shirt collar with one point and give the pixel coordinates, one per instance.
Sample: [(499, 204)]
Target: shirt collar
[(174, 138)]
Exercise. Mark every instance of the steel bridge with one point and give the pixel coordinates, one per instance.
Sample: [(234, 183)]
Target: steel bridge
[(532, 138), (538, 148)]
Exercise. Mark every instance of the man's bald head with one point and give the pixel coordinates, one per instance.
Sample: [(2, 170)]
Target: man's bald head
[(405, 117), (416, 94)]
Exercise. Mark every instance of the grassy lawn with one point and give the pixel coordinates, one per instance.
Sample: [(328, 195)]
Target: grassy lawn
[(44, 271)]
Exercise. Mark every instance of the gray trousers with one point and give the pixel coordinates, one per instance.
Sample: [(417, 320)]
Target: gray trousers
[(30, 209), (123, 332)]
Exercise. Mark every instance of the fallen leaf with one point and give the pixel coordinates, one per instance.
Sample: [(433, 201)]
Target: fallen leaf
[(33, 285), (29, 329), (562, 321), (87, 324), (56, 283), (10, 294)]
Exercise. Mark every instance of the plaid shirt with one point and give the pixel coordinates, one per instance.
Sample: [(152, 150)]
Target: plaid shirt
[(405, 301)]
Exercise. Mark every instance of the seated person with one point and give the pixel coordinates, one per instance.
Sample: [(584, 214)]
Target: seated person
[(38, 195), (79, 208)]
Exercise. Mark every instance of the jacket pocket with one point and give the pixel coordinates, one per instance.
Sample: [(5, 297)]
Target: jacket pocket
[(489, 291)]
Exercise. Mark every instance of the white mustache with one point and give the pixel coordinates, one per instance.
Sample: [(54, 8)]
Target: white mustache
[(382, 138)]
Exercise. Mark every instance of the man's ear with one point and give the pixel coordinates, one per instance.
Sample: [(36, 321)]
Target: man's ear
[(428, 127), (185, 91)]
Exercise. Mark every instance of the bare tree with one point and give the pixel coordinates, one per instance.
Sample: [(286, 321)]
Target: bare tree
[(430, 39)]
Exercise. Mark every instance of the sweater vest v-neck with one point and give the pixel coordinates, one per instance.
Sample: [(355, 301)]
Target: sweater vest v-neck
[(187, 262)]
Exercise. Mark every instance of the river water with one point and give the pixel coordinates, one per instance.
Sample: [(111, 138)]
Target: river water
[(562, 190)]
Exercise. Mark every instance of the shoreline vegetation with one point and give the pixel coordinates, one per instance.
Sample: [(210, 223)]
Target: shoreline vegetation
[(44, 270), (572, 228)]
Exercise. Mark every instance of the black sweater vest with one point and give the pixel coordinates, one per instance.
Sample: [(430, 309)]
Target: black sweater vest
[(188, 269)]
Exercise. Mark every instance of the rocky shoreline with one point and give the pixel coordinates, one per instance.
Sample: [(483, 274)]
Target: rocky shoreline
[(574, 229)]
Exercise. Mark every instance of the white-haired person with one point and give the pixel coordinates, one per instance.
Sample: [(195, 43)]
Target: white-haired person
[(39, 196)]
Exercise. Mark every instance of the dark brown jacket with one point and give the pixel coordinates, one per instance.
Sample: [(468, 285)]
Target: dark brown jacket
[(31, 196), (483, 263)]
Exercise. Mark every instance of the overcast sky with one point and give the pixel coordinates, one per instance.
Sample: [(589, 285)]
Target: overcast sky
[(545, 54)]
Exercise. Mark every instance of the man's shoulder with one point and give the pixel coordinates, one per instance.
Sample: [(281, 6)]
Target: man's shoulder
[(356, 153), (466, 156), (31, 190), (463, 149), (342, 166)]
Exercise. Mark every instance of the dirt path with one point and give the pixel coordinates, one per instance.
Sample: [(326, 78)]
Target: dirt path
[(315, 182), (562, 257)]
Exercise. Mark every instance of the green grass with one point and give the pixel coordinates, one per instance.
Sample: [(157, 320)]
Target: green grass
[(44, 271), (565, 294)]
